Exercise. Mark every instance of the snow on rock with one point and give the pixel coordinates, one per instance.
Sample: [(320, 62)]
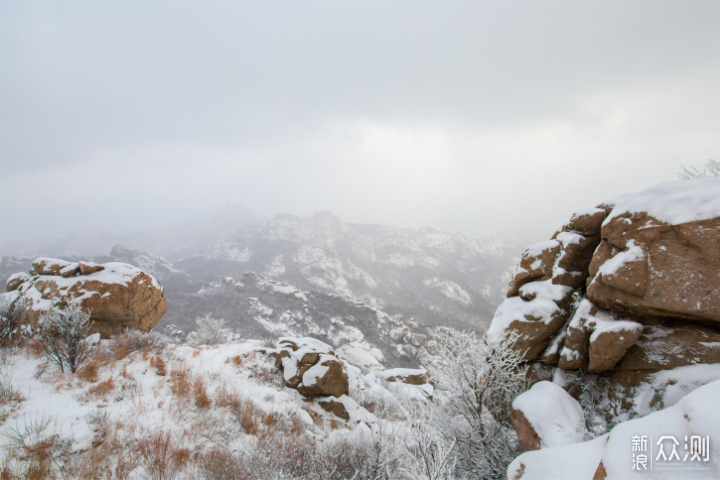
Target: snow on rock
[(547, 416), (410, 376), (612, 457), (595, 341), (450, 289), (227, 250), (117, 295), (347, 409), (220, 285), (311, 367), (676, 202)]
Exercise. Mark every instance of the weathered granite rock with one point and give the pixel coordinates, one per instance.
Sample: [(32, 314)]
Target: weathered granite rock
[(645, 267), (311, 367), (118, 296)]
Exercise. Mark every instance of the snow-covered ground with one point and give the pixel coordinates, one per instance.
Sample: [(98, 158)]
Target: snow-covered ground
[(224, 400)]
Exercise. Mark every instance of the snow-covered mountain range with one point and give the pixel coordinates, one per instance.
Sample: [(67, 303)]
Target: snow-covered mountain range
[(314, 276)]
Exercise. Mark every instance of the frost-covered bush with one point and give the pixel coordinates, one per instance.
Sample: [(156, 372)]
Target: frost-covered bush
[(475, 386), (430, 452), (62, 336), (210, 331), (134, 340), (710, 169), (10, 315)]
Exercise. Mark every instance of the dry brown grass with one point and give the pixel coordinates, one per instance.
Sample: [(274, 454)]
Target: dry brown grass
[(161, 457), (33, 349), (180, 382), (102, 389), (200, 393), (269, 419), (120, 352), (89, 372), (227, 398), (248, 416), (237, 360), (159, 365)]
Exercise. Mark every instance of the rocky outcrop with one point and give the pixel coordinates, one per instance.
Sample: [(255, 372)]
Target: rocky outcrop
[(632, 267), (624, 299), (118, 296)]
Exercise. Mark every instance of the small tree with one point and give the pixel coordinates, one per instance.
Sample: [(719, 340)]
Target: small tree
[(62, 334), (476, 385), (710, 169), (210, 331), (10, 315)]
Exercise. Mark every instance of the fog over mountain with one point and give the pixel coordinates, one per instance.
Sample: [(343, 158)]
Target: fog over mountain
[(369, 288)]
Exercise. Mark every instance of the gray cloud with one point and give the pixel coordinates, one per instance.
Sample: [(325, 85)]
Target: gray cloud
[(472, 116)]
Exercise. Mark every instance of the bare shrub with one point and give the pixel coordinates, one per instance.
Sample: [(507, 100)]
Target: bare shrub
[(710, 169), (132, 340), (62, 337), (11, 314), (219, 464), (210, 331), (477, 384), (160, 457), (8, 392)]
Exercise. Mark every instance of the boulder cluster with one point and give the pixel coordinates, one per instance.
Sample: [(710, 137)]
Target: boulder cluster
[(623, 290), (117, 295)]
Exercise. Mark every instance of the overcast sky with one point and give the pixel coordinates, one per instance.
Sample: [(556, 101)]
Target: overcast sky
[(479, 117)]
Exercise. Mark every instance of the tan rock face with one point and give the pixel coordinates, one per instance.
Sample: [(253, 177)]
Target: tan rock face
[(642, 281), (596, 340), (674, 344), (14, 282), (528, 437), (668, 270), (118, 296), (406, 375), (311, 367), (334, 407)]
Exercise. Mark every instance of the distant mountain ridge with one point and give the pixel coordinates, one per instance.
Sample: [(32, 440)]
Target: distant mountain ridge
[(438, 277), (425, 276)]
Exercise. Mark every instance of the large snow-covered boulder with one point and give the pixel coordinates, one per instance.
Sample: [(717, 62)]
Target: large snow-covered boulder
[(311, 367), (547, 416), (693, 421), (117, 295)]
